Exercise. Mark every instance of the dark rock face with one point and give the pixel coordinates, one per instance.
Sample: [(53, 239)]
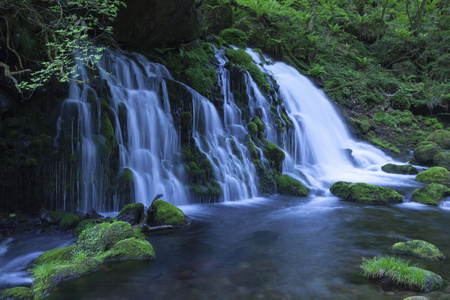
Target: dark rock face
[(151, 23)]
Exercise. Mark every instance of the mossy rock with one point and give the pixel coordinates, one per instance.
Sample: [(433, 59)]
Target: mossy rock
[(420, 249), (131, 248), (274, 154), (131, 213), (69, 221), (442, 159), (88, 223), (103, 242), (290, 186), (372, 194), (434, 175), (103, 236), (260, 126), (48, 217), (164, 213), (252, 129), (441, 137), (18, 293), (425, 153), (400, 169), (340, 189), (235, 37), (431, 194), (399, 272)]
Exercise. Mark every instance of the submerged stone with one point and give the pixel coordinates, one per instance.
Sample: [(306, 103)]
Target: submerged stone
[(400, 169), (431, 194), (420, 249), (434, 175), (131, 213), (291, 186)]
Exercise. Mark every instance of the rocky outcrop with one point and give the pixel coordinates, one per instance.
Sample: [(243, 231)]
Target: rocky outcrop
[(157, 23)]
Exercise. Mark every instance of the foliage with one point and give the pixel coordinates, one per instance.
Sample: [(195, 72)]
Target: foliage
[(70, 30)]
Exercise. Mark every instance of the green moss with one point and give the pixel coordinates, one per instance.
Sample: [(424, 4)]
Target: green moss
[(384, 144), (401, 273), (167, 214), (55, 255), (434, 175), (399, 169), (441, 137), (88, 223), (131, 213), (69, 221), (372, 194), (252, 149), (340, 189), (235, 37), (202, 79), (274, 154), (425, 153), (18, 293), (107, 131), (420, 249), (291, 186), (442, 159), (431, 194), (125, 176), (131, 248), (260, 125), (242, 60), (252, 129)]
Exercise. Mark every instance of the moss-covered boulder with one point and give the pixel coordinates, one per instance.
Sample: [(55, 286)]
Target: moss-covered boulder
[(69, 221), (434, 175), (164, 213), (401, 273), (420, 249), (340, 189), (442, 159), (290, 186), (88, 223), (101, 243), (431, 194), (274, 155), (365, 193), (18, 293), (440, 137), (400, 169), (425, 153), (131, 213)]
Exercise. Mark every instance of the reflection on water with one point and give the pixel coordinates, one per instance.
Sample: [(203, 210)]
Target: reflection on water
[(276, 248)]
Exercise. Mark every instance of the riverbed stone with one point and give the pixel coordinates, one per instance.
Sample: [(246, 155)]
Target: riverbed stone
[(131, 213), (442, 159), (291, 186), (431, 194), (400, 169), (434, 175), (425, 153), (165, 213), (418, 248), (18, 293)]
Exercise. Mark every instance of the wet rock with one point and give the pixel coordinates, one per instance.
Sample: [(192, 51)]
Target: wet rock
[(291, 186), (365, 193), (420, 249), (434, 175), (95, 215), (164, 213), (400, 169), (431, 194), (442, 159), (340, 189), (131, 213), (424, 154), (49, 218)]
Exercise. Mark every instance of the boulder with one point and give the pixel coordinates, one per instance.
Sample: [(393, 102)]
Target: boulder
[(431, 194), (425, 153), (400, 169), (340, 189), (131, 213), (442, 159), (434, 175), (88, 223), (418, 248), (441, 137), (157, 23), (49, 218), (164, 213), (291, 186), (69, 221), (365, 193)]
